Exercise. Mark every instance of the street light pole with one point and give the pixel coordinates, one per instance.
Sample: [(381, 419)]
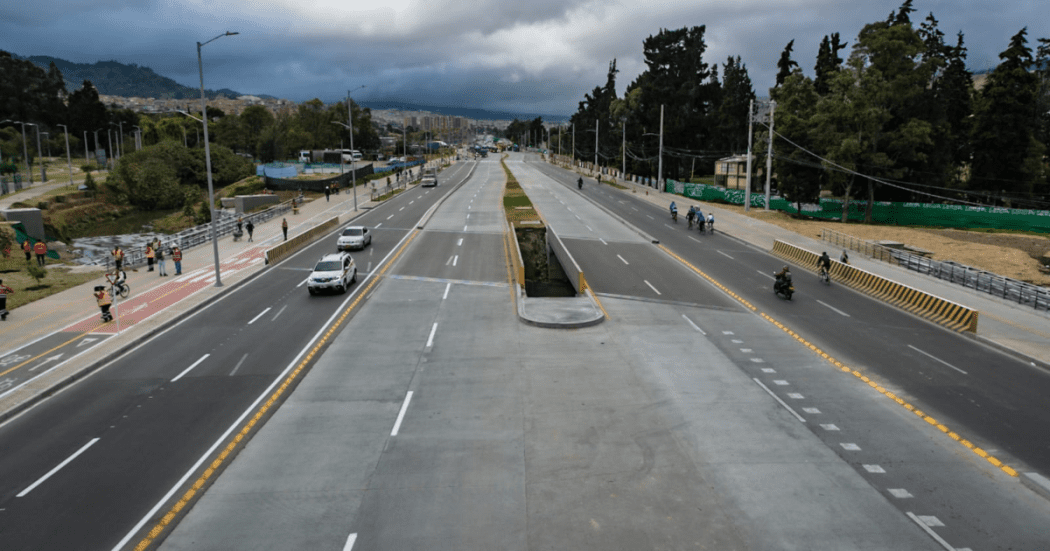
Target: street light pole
[(660, 164), (207, 159), (353, 160), (109, 136), (138, 138), (40, 153), (69, 158), (86, 158), (769, 155), (25, 149), (747, 177)]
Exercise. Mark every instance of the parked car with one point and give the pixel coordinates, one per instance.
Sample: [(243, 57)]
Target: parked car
[(354, 237), (335, 271)]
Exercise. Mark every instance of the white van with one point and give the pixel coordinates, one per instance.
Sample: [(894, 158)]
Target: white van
[(351, 155), (304, 156)]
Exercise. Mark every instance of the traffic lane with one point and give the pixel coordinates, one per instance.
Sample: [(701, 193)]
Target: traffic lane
[(35, 359), (643, 271), (454, 256), (139, 362), (999, 402), (100, 495)]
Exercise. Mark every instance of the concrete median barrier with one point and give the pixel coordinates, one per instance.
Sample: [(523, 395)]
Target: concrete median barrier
[(286, 248), (931, 307)]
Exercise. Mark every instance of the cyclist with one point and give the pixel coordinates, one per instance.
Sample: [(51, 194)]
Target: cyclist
[(711, 223), (700, 220), (689, 216), (579, 182), (117, 280), (674, 211), (824, 263)]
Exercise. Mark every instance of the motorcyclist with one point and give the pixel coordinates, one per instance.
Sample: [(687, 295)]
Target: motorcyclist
[(783, 277), (824, 262)]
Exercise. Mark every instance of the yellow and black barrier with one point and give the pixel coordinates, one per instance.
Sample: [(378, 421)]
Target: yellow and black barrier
[(286, 248), (938, 310)]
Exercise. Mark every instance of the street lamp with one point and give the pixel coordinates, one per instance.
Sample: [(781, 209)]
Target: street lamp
[(138, 138), (207, 158), (660, 163), (47, 140), (39, 152), (96, 145), (25, 149), (69, 158)]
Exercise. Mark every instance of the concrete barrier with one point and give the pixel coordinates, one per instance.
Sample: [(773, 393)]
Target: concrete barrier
[(568, 263), (517, 262), (938, 310), (286, 248)]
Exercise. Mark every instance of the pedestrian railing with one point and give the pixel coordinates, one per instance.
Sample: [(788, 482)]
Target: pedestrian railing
[(1003, 287), (225, 224)]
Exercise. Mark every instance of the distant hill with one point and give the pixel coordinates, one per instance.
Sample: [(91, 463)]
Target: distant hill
[(113, 78)]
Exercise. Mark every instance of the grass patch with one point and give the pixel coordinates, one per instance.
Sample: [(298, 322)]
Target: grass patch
[(516, 204), (59, 278)]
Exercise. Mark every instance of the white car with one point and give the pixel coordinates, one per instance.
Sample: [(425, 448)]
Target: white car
[(354, 237), (335, 271)]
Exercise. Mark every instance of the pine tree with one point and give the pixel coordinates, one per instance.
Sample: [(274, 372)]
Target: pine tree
[(828, 62), (1007, 156), (785, 65)]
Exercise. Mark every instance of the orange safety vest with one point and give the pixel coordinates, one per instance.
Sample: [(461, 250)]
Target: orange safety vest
[(26, 246), (40, 247), (176, 255), (149, 252)]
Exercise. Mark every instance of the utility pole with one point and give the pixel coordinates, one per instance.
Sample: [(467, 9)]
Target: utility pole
[(660, 165), (769, 155), (623, 153), (86, 158), (747, 177), (596, 145)]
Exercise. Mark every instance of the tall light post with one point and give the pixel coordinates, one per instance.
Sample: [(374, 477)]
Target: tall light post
[(138, 138), (596, 169), (25, 149), (86, 158), (660, 164), (207, 158), (109, 135), (69, 158), (47, 140), (353, 160), (40, 153)]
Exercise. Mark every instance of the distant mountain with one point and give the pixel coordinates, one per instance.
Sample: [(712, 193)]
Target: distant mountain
[(466, 112), (113, 78)]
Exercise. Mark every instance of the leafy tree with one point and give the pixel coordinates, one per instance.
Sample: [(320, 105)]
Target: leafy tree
[(146, 181), (735, 100), (799, 175), (87, 114), (828, 62), (785, 65), (1007, 155)]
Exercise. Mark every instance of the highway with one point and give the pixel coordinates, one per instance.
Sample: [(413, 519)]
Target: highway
[(82, 468), (434, 418)]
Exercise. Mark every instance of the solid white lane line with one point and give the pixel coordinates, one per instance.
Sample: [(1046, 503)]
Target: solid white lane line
[(651, 287), (725, 255), (56, 469), (259, 316), (938, 359), (833, 309), (350, 542), (195, 364), (238, 366), (622, 259), (430, 339), (279, 312), (930, 531), (301, 283), (694, 325), (777, 398), (447, 287), (401, 414)]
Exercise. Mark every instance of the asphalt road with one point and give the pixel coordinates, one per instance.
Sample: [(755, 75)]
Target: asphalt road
[(438, 420), (83, 468)]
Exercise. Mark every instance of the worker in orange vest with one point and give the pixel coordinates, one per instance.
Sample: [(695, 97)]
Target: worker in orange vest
[(149, 256), (176, 255), (40, 249), (28, 249), (104, 301), (4, 291)]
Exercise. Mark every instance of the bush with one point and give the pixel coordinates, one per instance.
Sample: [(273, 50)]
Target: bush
[(88, 168), (89, 182), (36, 272)]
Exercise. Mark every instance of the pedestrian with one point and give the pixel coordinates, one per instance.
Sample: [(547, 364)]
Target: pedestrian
[(149, 256), (176, 255), (250, 227), (240, 221), (118, 257), (844, 258), (284, 228), (335, 189), (40, 249), (327, 193), (104, 301), (160, 260), (28, 249), (4, 291)]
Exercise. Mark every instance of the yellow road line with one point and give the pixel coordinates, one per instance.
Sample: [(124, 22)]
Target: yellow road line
[(187, 497), (859, 375)]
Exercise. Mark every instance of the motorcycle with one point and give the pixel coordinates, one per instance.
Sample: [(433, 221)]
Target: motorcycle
[(783, 287)]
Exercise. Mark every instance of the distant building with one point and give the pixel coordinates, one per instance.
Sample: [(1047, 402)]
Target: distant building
[(731, 172)]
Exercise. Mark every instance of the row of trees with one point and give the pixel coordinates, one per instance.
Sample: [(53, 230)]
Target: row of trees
[(899, 119)]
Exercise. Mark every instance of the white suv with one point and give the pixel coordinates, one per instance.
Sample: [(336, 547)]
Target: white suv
[(354, 237), (334, 271)]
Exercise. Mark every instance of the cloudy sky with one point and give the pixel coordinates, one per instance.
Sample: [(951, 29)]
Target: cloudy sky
[(539, 56)]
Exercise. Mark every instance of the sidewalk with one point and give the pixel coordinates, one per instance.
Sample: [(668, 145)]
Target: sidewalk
[(151, 306), (1017, 330)]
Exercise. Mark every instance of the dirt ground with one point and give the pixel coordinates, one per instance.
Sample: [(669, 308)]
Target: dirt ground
[(1016, 256)]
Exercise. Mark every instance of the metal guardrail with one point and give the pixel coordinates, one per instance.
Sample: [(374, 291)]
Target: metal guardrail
[(198, 235), (987, 282)]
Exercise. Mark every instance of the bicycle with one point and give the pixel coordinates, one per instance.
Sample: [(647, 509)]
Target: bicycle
[(674, 216), (824, 276)]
